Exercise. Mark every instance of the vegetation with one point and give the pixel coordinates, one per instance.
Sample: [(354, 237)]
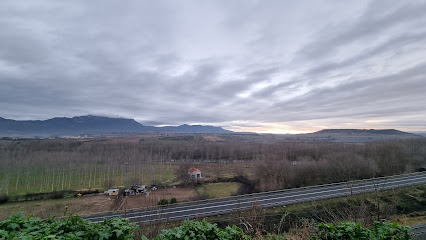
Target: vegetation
[(364, 209), (201, 230), (38, 166), (4, 198), (352, 230), (163, 202), (73, 227), (193, 230), (218, 190)]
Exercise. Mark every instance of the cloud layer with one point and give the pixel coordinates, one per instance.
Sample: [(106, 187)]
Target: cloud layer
[(245, 65)]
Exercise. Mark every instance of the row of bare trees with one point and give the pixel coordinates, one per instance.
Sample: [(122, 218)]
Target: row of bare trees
[(337, 162), (62, 164)]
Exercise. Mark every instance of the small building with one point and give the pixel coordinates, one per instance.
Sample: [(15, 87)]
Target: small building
[(194, 172), (112, 192)]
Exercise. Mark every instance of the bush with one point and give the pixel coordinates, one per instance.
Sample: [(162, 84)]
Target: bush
[(173, 201), (47, 195), (352, 230), (87, 192), (163, 202), (73, 227), (201, 230), (4, 198), (57, 195)]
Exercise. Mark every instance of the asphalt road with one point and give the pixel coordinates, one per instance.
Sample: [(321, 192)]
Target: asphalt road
[(266, 199), (419, 231)]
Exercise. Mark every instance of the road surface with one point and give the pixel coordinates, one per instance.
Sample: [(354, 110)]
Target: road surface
[(266, 199)]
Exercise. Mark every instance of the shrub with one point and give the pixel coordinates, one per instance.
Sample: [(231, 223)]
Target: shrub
[(87, 192), (57, 195), (173, 201), (73, 227), (47, 195), (384, 230), (353, 230), (163, 202), (201, 230), (4, 198)]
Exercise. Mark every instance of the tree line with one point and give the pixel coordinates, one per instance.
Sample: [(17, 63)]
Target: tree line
[(65, 164)]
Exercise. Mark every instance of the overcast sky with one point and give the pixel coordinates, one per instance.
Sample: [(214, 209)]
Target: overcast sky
[(265, 66)]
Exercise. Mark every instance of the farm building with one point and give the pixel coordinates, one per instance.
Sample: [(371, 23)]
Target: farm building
[(112, 192), (194, 172)]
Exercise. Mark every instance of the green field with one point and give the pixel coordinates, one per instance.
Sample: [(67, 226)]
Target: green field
[(39, 179), (218, 190)]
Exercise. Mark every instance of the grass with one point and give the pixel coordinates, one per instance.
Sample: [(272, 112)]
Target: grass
[(214, 170), (218, 190), (403, 214), (412, 220), (56, 207), (38, 179)]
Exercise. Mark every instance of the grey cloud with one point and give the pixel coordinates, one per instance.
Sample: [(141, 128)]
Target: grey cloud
[(167, 63), (371, 24), (392, 94), (390, 46)]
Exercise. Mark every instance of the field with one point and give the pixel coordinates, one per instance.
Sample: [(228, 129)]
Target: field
[(260, 163), (230, 165), (218, 190), (56, 207), (34, 166)]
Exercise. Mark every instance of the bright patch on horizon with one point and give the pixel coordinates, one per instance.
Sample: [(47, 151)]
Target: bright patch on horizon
[(283, 131)]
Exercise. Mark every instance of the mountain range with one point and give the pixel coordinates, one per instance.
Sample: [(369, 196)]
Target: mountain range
[(92, 125)]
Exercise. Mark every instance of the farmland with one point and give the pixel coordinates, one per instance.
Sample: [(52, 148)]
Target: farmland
[(37, 166), (230, 165)]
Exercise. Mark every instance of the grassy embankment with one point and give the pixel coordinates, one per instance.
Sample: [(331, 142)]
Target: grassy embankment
[(218, 190), (406, 206)]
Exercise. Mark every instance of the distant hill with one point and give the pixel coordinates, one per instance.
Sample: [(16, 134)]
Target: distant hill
[(365, 131), (92, 125), (195, 129), (421, 133), (353, 135)]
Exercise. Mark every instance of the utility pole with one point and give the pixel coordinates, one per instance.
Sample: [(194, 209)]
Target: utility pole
[(126, 183), (126, 176)]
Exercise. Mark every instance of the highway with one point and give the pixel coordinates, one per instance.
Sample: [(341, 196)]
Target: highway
[(419, 231), (265, 199)]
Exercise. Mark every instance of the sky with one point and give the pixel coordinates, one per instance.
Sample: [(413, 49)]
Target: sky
[(246, 65)]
